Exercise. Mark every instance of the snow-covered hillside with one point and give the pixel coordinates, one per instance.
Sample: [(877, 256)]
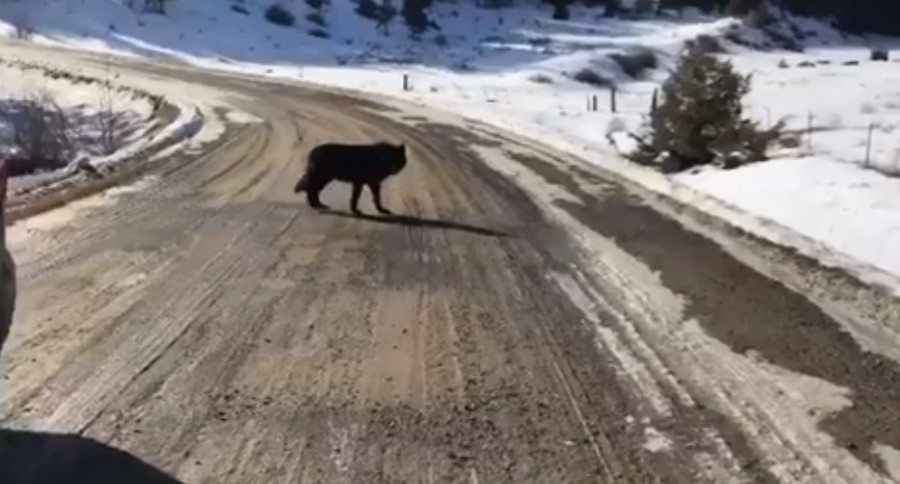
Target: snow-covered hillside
[(515, 68)]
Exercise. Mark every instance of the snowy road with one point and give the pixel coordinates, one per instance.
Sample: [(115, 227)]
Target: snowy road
[(525, 320)]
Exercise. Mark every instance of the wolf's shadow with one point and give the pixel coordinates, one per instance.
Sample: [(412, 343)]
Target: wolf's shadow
[(43, 458), (414, 221)]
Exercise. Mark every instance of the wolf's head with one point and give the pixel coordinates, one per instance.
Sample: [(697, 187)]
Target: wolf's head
[(398, 160)]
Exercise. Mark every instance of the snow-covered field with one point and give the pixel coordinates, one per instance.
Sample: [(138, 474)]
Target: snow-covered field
[(513, 68)]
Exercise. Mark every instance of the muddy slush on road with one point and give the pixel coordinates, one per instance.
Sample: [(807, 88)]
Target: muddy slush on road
[(522, 319)]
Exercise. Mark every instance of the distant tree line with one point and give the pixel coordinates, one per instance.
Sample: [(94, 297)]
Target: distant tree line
[(615, 7), (858, 16), (874, 16)]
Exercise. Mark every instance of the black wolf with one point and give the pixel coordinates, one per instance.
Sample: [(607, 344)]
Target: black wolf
[(357, 164)]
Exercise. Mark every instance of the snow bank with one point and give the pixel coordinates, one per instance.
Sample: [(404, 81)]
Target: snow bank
[(856, 211)]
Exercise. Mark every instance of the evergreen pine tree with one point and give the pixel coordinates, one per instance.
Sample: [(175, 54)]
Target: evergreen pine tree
[(700, 119)]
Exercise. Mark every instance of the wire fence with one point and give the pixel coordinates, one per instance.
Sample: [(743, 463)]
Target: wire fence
[(808, 133)]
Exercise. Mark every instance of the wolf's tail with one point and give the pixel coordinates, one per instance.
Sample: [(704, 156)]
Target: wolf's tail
[(302, 184)]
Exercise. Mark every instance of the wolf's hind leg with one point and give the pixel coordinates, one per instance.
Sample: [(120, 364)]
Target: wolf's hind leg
[(312, 195)]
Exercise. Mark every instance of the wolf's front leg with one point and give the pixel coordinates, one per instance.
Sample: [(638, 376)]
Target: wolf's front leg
[(376, 196), (354, 198)]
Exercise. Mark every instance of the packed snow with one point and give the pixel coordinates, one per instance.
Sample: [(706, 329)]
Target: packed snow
[(515, 67)]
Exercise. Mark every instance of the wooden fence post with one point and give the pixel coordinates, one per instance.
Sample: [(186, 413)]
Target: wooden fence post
[(612, 99)]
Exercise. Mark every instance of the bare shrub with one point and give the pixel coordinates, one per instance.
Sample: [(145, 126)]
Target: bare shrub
[(634, 63), (316, 18), (737, 38), (708, 44), (279, 15), (540, 79), (882, 55), (42, 134), (790, 141), (540, 41), (386, 14), (106, 120), (156, 6), (367, 9), (23, 27), (785, 41), (590, 77), (561, 10)]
